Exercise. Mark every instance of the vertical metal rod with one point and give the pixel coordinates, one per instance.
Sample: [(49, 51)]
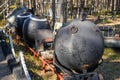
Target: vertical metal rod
[(12, 47)]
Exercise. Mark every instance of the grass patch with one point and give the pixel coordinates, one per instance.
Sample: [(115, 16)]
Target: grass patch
[(33, 64), (111, 66), (2, 23), (111, 54)]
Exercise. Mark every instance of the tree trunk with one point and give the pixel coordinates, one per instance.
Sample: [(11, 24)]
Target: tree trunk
[(112, 8), (61, 10), (82, 3), (117, 5), (108, 4), (21, 2), (29, 4), (53, 11), (35, 7), (98, 17)]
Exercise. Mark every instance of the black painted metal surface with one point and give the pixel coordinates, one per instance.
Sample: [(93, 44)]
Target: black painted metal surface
[(30, 27), (78, 46), (20, 20)]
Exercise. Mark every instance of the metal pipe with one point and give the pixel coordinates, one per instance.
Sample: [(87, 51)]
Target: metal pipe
[(12, 47), (45, 62), (3, 10), (5, 33), (24, 66), (4, 4)]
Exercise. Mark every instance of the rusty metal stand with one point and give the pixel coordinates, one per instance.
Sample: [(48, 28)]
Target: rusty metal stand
[(69, 75), (62, 76), (45, 63), (86, 76)]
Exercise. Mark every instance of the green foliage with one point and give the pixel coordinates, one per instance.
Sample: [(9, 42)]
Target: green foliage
[(112, 54), (118, 15), (107, 21), (111, 66), (95, 14), (1, 17), (2, 22)]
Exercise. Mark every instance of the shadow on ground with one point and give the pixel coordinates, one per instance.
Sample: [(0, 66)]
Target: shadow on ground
[(35, 76), (110, 69)]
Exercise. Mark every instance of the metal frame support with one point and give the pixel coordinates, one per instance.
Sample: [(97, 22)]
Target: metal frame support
[(45, 63), (24, 66)]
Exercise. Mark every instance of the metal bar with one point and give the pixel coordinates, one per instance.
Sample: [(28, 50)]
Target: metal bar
[(43, 60), (12, 47), (3, 10), (3, 4), (5, 33), (7, 8), (24, 66)]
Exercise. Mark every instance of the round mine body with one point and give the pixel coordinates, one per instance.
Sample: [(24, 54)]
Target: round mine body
[(20, 20), (31, 25), (79, 46), (11, 17)]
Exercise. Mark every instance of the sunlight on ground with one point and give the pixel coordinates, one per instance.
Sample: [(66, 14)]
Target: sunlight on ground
[(110, 68)]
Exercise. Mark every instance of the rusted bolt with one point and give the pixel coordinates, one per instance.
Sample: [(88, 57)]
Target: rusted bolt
[(73, 30)]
